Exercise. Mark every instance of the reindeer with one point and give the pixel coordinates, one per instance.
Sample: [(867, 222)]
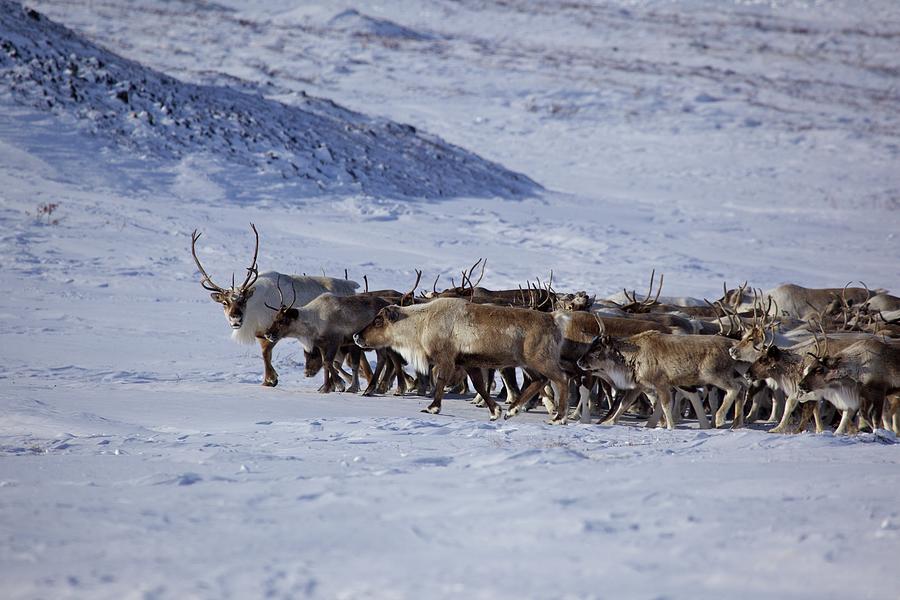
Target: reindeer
[(783, 368), (327, 323), (537, 297), (578, 301), (654, 363), (448, 333), (797, 301), (579, 329), (245, 305), (858, 377)]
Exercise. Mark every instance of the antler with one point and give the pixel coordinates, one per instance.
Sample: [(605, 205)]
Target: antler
[(821, 351), (206, 282), (410, 295), (467, 275), (434, 285), (252, 270), (280, 295), (658, 290), (645, 304), (773, 323)]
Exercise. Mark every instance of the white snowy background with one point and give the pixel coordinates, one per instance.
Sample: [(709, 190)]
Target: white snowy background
[(710, 140)]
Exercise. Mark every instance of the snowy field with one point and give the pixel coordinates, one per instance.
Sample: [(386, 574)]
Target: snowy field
[(710, 140)]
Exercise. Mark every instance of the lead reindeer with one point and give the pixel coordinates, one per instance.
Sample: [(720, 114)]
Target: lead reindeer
[(245, 304)]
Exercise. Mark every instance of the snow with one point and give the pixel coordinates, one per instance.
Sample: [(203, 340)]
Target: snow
[(711, 141)]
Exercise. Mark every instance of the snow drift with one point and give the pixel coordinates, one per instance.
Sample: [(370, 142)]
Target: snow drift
[(47, 66)]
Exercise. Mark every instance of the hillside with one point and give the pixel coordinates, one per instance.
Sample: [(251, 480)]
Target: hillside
[(137, 109)]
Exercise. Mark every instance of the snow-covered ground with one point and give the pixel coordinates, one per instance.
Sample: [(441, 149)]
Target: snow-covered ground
[(709, 140)]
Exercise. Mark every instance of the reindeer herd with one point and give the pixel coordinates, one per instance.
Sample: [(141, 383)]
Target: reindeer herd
[(834, 351)]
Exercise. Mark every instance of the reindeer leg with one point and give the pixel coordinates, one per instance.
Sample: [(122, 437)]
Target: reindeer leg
[(727, 402), (623, 401), (807, 413), (441, 375), (364, 366), (332, 380), (387, 375), (532, 389), (817, 416), (895, 413), (380, 361), (846, 417), (753, 393), (694, 399), (339, 366), (354, 356), (662, 400), (712, 396), (478, 399), (778, 407), (270, 377), (401, 375), (508, 375), (789, 406), (477, 377), (653, 420), (561, 391)]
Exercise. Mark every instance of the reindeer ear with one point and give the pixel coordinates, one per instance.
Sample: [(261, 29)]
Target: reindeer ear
[(249, 293), (292, 313), (218, 297), (773, 351), (392, 313), (831, 363)]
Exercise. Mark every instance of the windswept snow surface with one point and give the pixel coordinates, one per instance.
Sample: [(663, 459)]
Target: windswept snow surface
[(140, 458)]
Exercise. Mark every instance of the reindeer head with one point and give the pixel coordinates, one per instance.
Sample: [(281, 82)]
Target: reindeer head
[(819, 368), (313, 362), (377, 334), (602, 354), (580, 301), (233, 299), (285, 315), (758, 337), (766, 364), (735, 297)]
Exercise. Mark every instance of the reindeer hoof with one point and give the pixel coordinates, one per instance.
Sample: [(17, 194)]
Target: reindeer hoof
[(558, 420), (511, 412), (432, 410), (496, 414), (368, 392), (270, 382)]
